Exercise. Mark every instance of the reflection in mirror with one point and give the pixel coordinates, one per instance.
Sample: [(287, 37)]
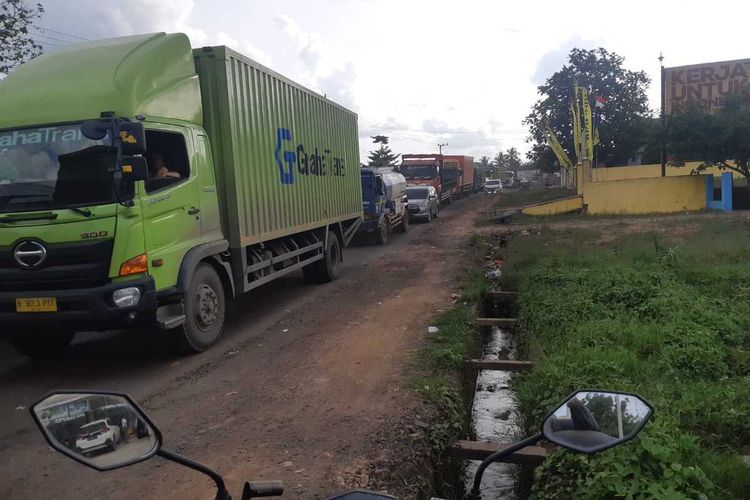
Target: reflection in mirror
[(104, 431), (591, 421)]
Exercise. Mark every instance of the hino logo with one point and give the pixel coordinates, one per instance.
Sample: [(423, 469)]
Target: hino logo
[(30, 254)]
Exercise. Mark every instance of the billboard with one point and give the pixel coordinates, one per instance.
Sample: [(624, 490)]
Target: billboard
[(707, 84)]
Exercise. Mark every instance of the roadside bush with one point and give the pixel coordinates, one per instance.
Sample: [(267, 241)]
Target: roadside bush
[(657, 465), (663, 322)]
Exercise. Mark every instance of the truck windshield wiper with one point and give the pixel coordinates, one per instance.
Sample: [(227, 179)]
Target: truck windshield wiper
[(80, 211)]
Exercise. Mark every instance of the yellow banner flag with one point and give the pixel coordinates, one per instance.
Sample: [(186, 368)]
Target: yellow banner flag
[(596, 136), (589, 125), (576, 126), (557, 148), (575, 108)]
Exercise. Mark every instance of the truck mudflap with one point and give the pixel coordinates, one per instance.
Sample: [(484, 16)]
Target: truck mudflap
[(82, 309)]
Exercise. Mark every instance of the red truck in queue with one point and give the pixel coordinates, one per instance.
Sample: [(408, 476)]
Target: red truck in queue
[(464, 166), (429, 170)]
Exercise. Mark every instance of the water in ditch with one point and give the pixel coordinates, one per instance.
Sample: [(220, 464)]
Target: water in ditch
[(495, 418)]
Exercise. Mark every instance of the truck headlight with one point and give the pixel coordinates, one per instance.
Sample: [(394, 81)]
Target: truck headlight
[(126, 297)]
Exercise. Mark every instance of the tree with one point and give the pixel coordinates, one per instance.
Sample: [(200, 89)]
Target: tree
[(16, 43), (512, 161), (508, 161), (719, 140), (484, 166), (484, 163), (382, 158), (499, 161), (620, 121)]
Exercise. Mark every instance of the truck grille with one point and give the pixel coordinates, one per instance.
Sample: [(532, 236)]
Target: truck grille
[(66, 266)]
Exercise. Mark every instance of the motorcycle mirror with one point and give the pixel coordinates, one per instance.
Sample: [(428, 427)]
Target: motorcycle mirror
[(592, 421), (102, 430)]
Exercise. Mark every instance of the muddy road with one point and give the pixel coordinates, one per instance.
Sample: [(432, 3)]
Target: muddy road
[(303, 386)]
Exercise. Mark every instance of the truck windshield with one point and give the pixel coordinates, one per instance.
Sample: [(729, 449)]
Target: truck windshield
[(419, 171), (54, 167), (451, 173)]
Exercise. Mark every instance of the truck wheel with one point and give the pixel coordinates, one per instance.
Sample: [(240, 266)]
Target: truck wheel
[(381, 233), (205, 308), (42, 344), (326, 269)]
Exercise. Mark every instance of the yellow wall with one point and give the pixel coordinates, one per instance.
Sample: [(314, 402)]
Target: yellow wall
[(648, 171), (644, 196), (555, 207)]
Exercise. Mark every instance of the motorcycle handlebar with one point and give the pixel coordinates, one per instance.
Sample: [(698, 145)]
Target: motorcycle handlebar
[(257, 489)]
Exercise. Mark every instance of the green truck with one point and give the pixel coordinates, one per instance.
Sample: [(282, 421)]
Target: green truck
[(146, 184)]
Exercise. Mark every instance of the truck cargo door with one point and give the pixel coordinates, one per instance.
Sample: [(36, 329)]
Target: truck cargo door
[(210, 222)]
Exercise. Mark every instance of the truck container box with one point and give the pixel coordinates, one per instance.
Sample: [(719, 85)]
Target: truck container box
[(286, 158)]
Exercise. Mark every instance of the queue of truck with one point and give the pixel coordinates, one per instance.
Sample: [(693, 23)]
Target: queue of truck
[(144, 183)]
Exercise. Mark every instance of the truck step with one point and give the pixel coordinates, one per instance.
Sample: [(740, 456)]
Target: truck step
[(170, 316), (172, 322)]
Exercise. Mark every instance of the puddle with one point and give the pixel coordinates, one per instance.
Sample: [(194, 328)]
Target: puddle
[(495, 418)]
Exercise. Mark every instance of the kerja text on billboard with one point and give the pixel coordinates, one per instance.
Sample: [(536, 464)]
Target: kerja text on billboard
[(705, 84)]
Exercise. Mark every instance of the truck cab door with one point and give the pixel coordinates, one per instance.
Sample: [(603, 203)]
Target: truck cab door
[(209, 201), (171, 207)]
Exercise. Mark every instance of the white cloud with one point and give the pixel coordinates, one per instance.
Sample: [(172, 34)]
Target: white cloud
[(95, 19), (555, 59), (465, 70)]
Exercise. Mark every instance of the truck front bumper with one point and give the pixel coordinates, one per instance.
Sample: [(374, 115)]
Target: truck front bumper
[(82, 309)]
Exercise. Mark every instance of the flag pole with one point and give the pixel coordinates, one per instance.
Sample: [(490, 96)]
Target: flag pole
[(663, 149)]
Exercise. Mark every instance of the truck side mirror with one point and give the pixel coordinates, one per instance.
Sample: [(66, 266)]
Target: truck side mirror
[(96, 130), (133, 138), (134, 168)]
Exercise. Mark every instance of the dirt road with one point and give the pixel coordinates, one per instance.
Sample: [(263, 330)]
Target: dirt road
[(303, 387)]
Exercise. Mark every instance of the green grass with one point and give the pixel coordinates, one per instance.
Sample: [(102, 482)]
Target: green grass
[(665, 316), (520, 198)]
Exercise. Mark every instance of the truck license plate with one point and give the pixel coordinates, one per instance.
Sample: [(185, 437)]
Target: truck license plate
[(36, 304)]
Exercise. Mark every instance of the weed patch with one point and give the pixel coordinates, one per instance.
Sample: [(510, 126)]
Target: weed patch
[(663, 315)]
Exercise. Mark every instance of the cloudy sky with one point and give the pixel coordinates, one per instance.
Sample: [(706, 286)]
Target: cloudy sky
[(461, 72)]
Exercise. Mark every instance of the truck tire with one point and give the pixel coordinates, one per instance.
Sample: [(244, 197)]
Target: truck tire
[(205, 308), (326, 269), (42, 344), (381, 233)]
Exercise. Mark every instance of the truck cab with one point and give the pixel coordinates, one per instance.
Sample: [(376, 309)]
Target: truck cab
[(384, 203)]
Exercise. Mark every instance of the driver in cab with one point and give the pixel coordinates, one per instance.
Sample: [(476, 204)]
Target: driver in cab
[(159, 170)]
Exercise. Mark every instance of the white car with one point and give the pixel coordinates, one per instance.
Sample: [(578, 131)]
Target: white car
[(98, 435), (492, 186)]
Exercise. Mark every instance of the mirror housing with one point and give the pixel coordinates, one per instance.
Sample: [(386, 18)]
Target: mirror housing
[(96, 130), (132, 135), (102, 430), (591, 421), (134, 168), (133, 138)]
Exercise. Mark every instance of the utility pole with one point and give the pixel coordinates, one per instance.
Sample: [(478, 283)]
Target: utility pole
[(663, 149), (440, 146)]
